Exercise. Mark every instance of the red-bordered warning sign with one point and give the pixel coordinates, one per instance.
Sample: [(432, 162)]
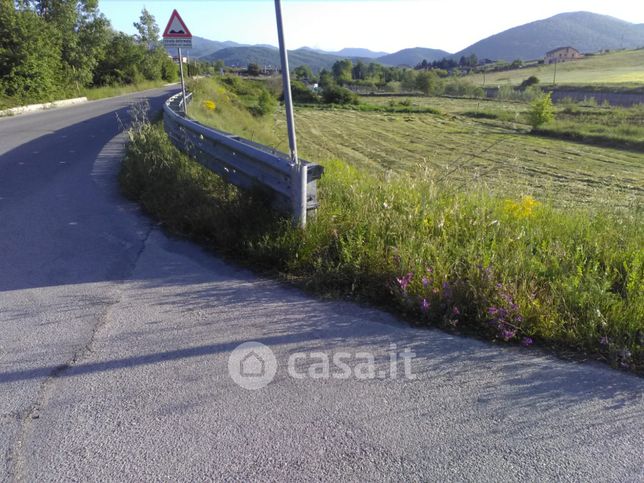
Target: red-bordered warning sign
[(176, 28)]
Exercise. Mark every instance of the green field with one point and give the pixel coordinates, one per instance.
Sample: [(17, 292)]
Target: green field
[(456, 150), (625, 68)]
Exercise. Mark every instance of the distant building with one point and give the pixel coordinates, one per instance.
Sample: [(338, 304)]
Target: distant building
[(562, 54)]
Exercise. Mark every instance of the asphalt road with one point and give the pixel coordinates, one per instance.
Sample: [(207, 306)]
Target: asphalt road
[(115, 343)]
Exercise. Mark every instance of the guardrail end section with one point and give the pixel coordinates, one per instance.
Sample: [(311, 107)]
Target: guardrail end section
[(242, 163)]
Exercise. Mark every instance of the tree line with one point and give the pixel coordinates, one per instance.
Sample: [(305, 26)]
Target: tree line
[(56, 48), (431, 81)]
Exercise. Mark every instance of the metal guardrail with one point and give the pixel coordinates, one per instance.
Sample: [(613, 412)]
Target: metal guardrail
[(241, 162)]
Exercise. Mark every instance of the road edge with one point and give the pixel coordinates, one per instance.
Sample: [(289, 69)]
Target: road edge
[(41, 107)]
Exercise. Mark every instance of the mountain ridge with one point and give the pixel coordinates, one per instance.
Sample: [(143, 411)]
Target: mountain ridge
[(586, 31), (413, 56)]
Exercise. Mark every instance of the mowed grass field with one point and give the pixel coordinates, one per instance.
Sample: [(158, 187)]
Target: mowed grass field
[(456, 150), (625, 67), (471, 153)]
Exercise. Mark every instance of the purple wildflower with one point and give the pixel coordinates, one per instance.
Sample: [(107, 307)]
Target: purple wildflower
[(447, 290), (603, 341), (424, 306), (404, 281), (527, 341), (455, 311), (507, 333), (425, 282)]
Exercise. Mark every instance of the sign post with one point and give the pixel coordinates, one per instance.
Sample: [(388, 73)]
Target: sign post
[(298, 170), (176, 35)]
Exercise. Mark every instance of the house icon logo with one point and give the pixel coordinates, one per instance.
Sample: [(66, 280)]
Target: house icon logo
[(252, 365)]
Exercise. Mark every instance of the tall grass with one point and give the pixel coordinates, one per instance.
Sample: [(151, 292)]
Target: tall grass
[(512, 270)]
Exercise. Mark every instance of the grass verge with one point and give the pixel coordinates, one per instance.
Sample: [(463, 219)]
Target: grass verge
[(95, 93), (511, 270), (92, 93)]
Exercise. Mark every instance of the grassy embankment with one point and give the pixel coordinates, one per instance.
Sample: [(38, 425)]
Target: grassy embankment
[(617, 69), (410, 219)]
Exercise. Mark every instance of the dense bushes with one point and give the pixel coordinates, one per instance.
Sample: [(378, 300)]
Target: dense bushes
[(301, 93), (50, 50), (462, 88), (339, 95)]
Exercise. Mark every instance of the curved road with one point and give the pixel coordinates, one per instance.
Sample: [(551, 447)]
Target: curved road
[(115, 344)]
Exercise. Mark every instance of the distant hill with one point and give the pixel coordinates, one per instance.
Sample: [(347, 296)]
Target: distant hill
[(350, 53), (270, 57), (202, 47), (585, 31), (357, 52), (412, 57)]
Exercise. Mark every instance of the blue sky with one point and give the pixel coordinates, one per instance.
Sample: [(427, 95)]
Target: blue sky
[(383, 25)]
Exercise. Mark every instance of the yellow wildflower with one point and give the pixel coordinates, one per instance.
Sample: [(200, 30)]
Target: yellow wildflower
[(521, 209), (210, 105)]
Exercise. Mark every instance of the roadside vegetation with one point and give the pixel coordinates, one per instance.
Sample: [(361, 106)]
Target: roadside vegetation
[(57, 50), (93, 93), (426, 238)]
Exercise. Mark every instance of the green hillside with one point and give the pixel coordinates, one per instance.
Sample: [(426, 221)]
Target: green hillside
[(587, 32), (412, 57), (270, 57), (625, 67)]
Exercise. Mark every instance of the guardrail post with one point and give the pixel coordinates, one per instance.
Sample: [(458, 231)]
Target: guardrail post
[(298, 172), (244, 163)]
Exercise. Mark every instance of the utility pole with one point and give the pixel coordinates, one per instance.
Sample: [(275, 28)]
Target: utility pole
[(298, 170), (554, 77)]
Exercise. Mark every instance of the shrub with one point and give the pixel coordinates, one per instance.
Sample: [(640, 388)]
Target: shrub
[(530, 81), (462, 88), (339, 95), (393, 86), (301, 93), (509, 93), (541, 111), (253, 70), (266, 104), (429, 83)]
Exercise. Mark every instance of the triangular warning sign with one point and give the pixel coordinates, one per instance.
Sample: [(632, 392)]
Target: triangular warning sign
[(176, 28)]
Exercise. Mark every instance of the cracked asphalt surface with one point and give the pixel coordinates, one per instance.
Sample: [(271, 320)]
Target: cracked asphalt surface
[(114, 345)]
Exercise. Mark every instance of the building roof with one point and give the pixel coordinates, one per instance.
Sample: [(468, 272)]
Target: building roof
[(561, 48)]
